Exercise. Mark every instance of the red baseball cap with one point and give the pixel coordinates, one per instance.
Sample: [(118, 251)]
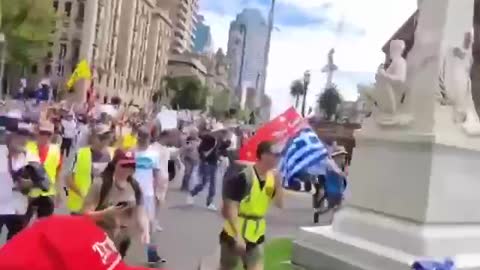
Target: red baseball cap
[(62, 243), (124, 157)]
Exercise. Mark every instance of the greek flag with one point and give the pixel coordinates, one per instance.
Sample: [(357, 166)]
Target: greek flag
[(304, 152)]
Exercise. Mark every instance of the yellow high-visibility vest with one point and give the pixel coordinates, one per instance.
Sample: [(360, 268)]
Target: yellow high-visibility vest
[(253, 208), (51, 163), (82, 179)]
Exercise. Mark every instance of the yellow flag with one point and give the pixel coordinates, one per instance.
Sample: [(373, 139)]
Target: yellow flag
[(82, 71)]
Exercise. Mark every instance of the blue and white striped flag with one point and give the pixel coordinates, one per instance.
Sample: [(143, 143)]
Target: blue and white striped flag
[(303, 152)]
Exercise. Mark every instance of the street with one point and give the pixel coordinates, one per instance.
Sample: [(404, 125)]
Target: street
[(191, 233)]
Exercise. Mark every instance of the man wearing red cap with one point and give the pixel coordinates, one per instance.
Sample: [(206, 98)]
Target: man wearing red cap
[(55, 244)]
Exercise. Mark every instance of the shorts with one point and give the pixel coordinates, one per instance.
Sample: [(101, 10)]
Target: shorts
[(229, 258), (162, 190), (150, 207)]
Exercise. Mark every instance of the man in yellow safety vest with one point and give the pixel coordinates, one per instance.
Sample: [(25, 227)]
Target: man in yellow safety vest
[(43, 202), (247, 197), (90, 162)]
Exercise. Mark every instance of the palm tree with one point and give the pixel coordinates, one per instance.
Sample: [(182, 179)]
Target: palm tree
[(328, 102), (297, 90)]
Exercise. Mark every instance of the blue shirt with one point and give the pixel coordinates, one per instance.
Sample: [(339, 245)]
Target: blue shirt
[(335, 183)]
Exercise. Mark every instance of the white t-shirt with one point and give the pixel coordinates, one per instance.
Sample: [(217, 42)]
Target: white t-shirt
[(69, 128), (164, 156), (11, 202), (147, 161), (83, 135)]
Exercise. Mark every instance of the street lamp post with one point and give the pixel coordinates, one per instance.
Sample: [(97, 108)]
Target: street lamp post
[(306, 82), (243, 31), (3, 55)]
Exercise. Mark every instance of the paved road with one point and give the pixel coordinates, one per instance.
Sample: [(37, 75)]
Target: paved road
[(191, 233)]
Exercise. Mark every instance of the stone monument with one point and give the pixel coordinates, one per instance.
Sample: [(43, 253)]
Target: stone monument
[(387, 98), (330, 69), (413, 189)]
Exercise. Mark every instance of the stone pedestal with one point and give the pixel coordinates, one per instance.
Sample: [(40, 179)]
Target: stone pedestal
[(413, 191)]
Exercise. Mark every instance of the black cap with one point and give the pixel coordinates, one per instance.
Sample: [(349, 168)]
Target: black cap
[(265, 147)]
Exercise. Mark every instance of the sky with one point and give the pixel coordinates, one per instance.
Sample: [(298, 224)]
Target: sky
[(305, 30)]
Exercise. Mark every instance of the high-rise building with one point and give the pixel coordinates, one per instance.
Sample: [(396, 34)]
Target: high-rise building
[(184, 17), (125, 41), (203, 37), (247, 40)]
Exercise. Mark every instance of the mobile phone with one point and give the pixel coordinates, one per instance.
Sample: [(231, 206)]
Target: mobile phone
[(122, 204)]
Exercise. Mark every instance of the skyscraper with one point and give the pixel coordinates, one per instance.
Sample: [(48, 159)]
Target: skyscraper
[(247, 39), (184, 17), (203, 37)]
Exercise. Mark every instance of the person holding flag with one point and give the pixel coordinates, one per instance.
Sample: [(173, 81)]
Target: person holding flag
[(247, 199)]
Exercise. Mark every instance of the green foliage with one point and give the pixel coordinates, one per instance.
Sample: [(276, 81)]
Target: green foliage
[(27, 26), (278, 253), (328, 102), (221, 102), (297, 90), (190, 94)]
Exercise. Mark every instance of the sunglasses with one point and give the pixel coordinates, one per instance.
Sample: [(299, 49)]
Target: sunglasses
[(104, 136), (45, 133), (128, 165)]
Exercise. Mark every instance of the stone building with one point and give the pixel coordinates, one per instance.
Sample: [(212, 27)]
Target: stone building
[(184, 17), (125, 41)]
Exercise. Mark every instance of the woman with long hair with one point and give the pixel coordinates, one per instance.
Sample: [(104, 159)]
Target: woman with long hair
[(115, 202)]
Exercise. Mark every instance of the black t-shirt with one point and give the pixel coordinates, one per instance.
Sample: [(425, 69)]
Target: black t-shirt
[(236, 189)]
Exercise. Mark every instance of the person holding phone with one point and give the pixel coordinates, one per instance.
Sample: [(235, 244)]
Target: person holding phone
[(115, 202)]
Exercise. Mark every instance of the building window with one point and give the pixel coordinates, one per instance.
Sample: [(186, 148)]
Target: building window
[(48, 70), (81, 11), (68, 8), (63, 51), (34, 69), (55, 5)]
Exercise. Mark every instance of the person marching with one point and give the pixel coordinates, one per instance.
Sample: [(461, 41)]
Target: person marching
[(90, 161), (43, 202), (247, 197), (13, 199), (115, 202), (147, 174)]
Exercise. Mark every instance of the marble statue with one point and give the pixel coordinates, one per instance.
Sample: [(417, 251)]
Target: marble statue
[(456, 86), (330, 68), (387, 96)]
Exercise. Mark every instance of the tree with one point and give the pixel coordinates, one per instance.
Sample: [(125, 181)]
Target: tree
[(221, 103), (190, 94), (328, 102), (27, 26), (297, 90)]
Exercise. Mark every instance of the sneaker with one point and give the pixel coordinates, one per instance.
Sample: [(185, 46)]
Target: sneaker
[(212, 207), (190, 200), (153, 257)]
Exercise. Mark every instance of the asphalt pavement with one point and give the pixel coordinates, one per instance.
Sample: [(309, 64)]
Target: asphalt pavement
[(190, 233)]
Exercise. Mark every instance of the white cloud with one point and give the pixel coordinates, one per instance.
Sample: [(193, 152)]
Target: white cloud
[(295, 49)]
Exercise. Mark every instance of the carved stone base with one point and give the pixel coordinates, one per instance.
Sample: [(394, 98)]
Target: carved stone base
[(393, 120)]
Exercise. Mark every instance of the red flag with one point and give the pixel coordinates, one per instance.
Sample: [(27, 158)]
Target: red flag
[(278, 130)]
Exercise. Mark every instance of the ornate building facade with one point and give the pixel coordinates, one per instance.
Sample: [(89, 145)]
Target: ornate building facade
[(125, 41)]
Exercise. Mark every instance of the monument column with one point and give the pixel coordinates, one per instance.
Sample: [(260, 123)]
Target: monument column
[(413, 188)]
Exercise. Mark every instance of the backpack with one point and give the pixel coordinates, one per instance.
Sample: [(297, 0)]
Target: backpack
[(107, 186)]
